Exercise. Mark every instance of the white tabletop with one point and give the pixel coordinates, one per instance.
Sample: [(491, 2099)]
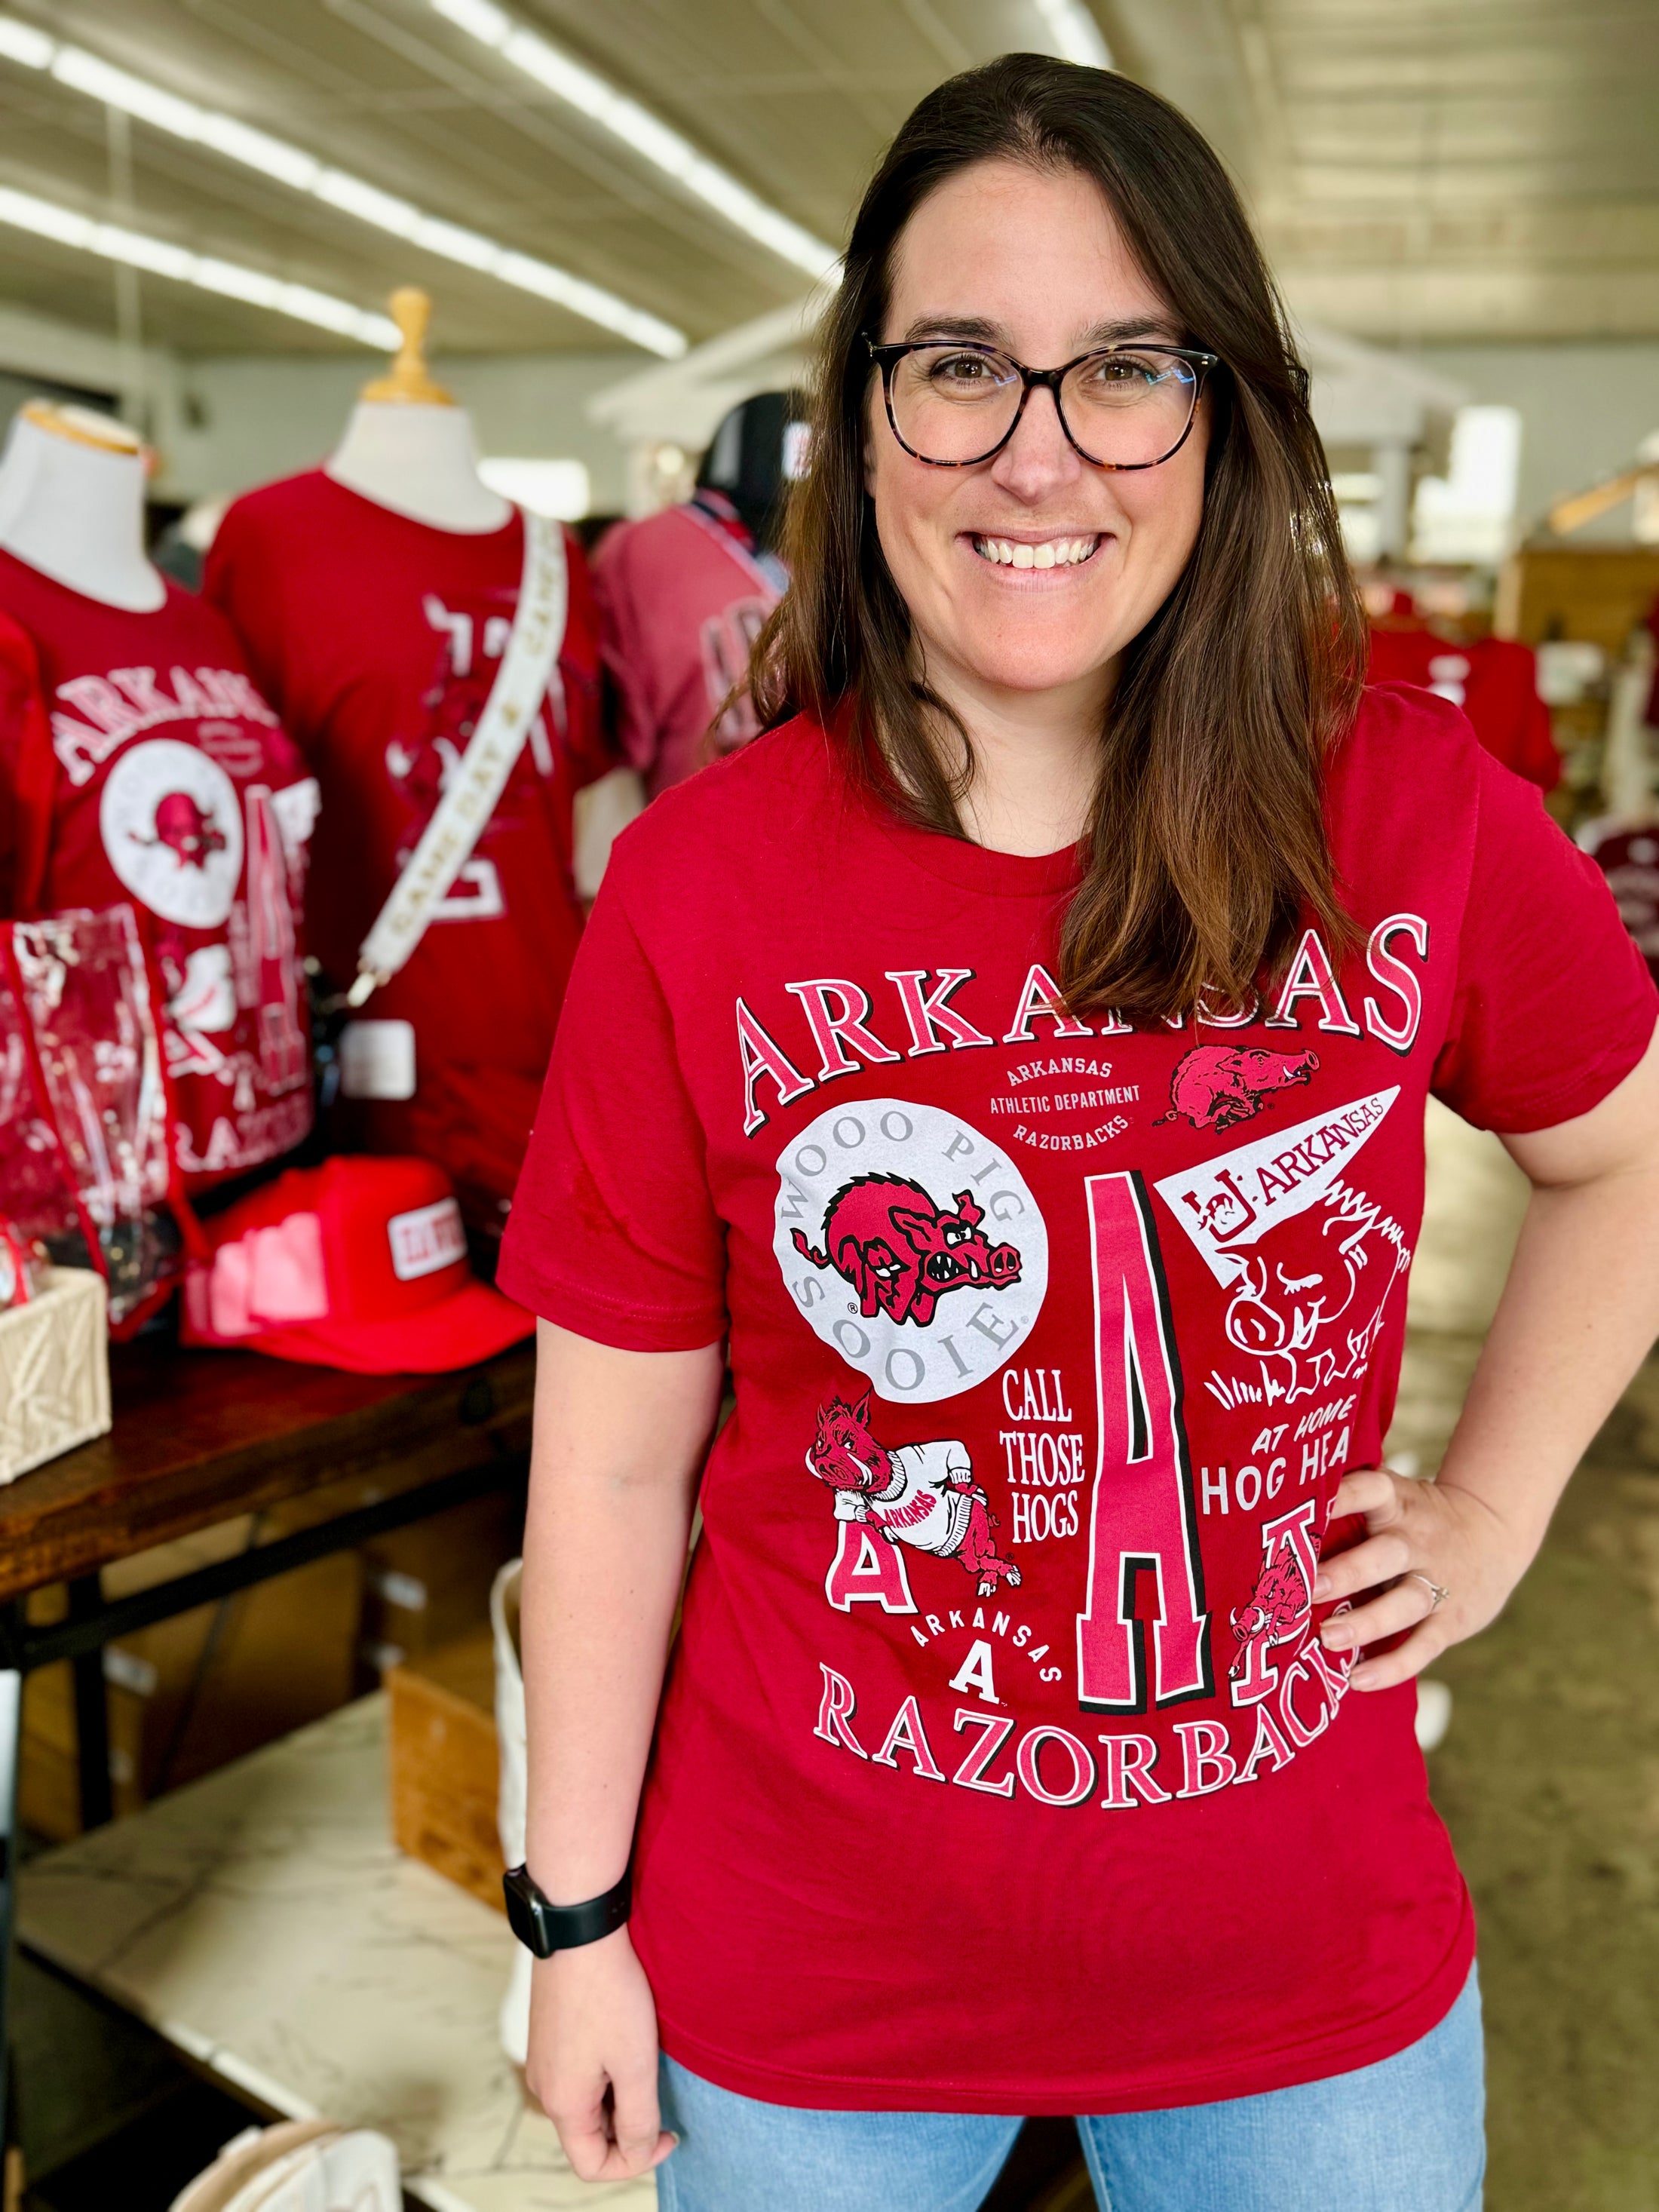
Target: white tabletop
[(263, 1921)]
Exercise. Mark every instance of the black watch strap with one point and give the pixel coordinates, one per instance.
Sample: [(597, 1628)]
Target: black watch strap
[(545, 1928)]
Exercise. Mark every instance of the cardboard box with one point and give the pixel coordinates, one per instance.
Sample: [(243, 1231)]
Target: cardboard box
[(444, 1764)]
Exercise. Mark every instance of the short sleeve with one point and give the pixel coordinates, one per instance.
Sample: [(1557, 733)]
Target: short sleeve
[(234, 579), (28, 775), (1553, 1006), (613, 1233), (621, 650)]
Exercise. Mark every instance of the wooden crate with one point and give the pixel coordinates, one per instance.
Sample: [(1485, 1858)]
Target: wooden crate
[(1597, 594), (444, 1764)]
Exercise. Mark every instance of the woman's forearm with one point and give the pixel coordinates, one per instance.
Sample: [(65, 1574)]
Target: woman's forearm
[(620, 1438), (1578, 1315)]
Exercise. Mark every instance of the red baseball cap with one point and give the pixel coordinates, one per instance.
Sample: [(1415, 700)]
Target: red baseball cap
[(359, 1263)]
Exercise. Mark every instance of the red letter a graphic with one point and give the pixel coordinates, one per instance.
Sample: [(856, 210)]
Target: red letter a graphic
[(867, 1568)]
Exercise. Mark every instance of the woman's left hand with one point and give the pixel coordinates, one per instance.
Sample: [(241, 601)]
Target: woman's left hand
[(1416, 1533)]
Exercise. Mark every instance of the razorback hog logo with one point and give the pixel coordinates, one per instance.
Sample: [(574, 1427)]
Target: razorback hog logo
[(1217, 1085), (184, 829), (922, 1495), (1274, 1611), (884, 1235)]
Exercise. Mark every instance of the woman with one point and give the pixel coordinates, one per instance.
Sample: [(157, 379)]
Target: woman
[(1019, 1057)]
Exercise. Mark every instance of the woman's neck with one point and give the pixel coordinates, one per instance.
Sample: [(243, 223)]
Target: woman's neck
[(1036, 757)]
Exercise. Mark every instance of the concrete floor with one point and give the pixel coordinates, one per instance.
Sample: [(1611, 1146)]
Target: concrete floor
[(1548, 1778)]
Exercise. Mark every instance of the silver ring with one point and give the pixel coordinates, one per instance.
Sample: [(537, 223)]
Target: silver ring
[(1436, 1591)]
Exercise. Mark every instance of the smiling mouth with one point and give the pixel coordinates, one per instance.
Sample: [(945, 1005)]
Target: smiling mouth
[(1052, 553)]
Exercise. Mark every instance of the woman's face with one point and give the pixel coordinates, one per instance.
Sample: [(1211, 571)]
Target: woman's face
[(1031, 261)]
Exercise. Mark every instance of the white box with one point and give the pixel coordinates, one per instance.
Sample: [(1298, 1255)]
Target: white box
[(54, 1370)]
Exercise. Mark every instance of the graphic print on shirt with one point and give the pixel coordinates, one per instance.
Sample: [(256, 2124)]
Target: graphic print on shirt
[(473, 635), (172, 826), (921, 1495), (1305, 1311), (887, 1226), (1279, 1610), (1215, 1086)]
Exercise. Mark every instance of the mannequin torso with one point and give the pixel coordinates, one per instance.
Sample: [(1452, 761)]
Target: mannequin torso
[(72, 505), (419, 460)]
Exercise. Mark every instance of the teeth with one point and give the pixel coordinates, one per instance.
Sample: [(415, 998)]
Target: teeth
[(1053, 553)]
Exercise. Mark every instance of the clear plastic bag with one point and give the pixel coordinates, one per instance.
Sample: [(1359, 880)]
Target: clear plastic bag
[(83, 1114)]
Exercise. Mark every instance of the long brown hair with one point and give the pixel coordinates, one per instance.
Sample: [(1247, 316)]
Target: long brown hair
[(1205, 847)]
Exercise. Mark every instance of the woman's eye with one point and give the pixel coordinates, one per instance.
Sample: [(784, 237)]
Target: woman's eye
[(1120, 370), (962, 368)]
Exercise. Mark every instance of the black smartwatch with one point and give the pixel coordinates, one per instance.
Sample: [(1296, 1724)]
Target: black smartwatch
[(543, 1928)]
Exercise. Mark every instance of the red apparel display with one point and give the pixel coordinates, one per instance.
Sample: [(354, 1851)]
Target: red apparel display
[(1001, 1768), (1493, 679), (681, 597), (139, 762), (379, 638)]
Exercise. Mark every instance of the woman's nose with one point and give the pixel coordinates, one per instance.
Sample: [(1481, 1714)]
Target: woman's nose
[(1039, 458)]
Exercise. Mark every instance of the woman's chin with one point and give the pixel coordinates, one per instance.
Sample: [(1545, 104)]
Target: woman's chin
[(1033, 670)]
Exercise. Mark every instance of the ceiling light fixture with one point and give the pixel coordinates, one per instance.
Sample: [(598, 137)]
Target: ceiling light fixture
[(639, 129), (291, 166), (138, 250), (1073, 33)]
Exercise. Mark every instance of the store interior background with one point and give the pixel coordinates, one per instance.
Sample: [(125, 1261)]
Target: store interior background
[(1460, 202)]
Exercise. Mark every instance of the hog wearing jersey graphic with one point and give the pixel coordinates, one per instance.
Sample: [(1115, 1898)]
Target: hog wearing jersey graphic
[(922, 1495)]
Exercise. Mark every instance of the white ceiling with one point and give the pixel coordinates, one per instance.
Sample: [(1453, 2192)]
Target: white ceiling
[(1425, 169)]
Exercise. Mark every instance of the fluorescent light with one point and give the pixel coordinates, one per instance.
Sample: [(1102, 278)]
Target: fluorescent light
[(138, 250), (237, 283), (1073, 33), (367, 202), (85, 72), (22, 42), (273, 157), (647, 135), (355, 196), (481, 19), (560, 488), (584, 299)]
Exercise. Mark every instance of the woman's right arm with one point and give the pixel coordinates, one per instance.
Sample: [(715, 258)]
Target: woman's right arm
[(619, 1445)]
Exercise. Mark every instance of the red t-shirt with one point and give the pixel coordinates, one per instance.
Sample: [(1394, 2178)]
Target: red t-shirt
[(142, 763), (681, 597), (1000, 1767), (1493, 679), (379, 638)]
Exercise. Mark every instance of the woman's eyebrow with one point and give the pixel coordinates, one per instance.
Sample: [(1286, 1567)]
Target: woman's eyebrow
[(1139, 326), (979, 330), (972, 327)]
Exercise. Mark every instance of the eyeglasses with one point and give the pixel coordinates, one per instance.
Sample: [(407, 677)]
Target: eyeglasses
[(1123, 407)]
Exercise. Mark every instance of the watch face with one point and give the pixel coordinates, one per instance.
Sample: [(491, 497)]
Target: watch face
[(523, 1916)]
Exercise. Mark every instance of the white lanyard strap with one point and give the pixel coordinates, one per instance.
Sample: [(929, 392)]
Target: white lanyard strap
[(447, 842)]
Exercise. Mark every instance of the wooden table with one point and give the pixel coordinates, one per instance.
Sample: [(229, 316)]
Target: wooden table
[(202, 1437)]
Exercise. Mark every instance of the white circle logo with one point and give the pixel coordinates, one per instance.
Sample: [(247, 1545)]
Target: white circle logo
[(912, 1245), (173, 828)]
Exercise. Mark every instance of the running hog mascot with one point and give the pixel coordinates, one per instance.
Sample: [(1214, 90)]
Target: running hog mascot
[(923, 1495)]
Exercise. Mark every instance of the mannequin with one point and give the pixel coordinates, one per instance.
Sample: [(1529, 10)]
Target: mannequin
[(72, 504), (408, 446), (139, 764), (376, 597)]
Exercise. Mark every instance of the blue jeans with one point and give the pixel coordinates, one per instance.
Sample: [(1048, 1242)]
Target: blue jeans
[(1404, 2135)]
